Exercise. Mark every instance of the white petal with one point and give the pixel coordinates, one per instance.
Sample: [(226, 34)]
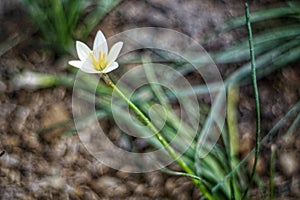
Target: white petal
[(76, 63), (114, 52), (90, 71), (111, 67), (100, 44), (88, 67), (82, 50)]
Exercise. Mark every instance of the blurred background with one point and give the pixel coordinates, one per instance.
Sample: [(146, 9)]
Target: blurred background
[(44, 158)]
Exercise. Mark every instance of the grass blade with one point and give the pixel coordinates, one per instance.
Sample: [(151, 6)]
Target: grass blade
[(266, 139), (272, 172), (255, 88)]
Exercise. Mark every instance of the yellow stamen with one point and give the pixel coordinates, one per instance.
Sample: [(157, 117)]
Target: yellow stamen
[(101, 63), (102, 60)]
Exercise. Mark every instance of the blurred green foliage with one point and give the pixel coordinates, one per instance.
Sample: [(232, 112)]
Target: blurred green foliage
[(62, 21)]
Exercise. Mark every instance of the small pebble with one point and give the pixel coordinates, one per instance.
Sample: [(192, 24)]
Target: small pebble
[(30, 140), (56, 113), (9, 160), (154, 179), (140, 189), (110, 186), (57, 182), (155, 192), (289, 163), (20, 118), (246, 142)]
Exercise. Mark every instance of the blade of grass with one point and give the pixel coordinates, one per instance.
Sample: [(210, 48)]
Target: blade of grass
[(265, 14), (268, 62), (73, 12), (266, 139), (263, 42), (292, 128), (272, 172), (92, 19), (172, 118), (159, 136), (11, 42), (171, 172), (265, 64), (232, 121), (210, 168), (233, 136), (257, 105)]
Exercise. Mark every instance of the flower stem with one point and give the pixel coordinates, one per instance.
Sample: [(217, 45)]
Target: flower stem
[(158, 135)]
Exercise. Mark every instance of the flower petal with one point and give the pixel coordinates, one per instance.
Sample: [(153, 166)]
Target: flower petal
[(90, 71), (111, 67), (114, 52), (76, 63), (100, 44), (82, 50), (88, 66)]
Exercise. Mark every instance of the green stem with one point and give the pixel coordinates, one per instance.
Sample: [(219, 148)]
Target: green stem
[(253, 73), (158, 135), (272, 172)]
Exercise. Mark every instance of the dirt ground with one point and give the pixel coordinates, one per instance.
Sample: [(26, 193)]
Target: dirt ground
[(53, 167)]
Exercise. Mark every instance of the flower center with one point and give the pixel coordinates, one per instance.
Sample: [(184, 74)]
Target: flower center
[(101, 63)]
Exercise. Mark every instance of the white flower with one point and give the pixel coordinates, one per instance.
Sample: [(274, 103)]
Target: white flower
[(97, 60)]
